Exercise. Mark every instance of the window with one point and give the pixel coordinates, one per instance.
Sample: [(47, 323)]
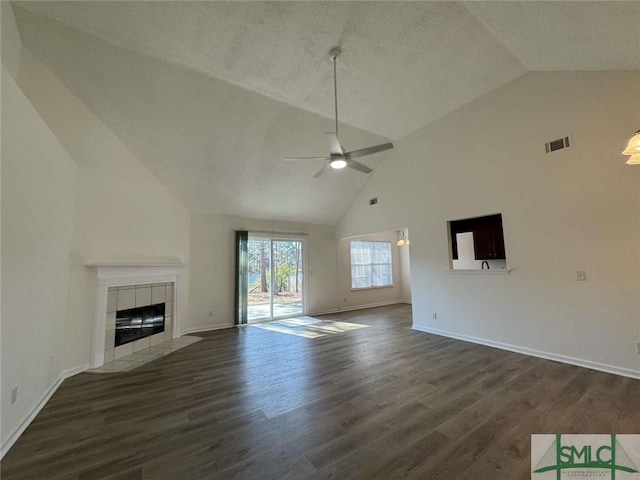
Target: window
[(370, 264)]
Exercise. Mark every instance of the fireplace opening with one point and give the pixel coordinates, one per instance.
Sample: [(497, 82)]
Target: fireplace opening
[(136, 323)]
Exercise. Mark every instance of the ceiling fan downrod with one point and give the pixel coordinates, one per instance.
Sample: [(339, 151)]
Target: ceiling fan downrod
[(338, 158), (334, 54)]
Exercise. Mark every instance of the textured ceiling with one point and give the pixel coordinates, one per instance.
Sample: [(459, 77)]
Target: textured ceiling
[(217, 146), (566, 35), (404, 63), (212, 95)]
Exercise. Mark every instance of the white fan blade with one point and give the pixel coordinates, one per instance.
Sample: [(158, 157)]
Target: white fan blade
[(293, 159), (322, 171), (334, 144), (369, 150), (358, 166)]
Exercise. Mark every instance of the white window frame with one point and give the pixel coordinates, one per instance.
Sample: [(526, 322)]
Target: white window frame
[(370, 264)]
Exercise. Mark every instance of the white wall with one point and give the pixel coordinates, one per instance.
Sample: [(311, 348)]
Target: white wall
[(213, 266), (348, 298), (11, 43), (405, 272), (123, 213), (37, 222), (95, 203), (575, 209)]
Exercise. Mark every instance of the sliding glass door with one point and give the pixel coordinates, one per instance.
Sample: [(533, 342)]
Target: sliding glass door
[(274, 278)]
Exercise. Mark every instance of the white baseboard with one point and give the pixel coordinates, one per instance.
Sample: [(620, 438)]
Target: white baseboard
[(43, 401), (371, 305), (206, 328), (359, 307), (579, 362), (323, 312)]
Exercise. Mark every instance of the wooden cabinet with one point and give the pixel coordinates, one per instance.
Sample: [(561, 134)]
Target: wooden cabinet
[(488, 242), (488, 239)]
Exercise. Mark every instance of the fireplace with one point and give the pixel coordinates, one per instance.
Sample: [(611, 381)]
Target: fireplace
[(137, 307), (136, 323)]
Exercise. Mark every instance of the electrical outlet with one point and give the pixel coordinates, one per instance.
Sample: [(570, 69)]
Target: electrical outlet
[(638, 348), (14, 395), (210, 313), (344, 299), (581, 276), (434, 316)]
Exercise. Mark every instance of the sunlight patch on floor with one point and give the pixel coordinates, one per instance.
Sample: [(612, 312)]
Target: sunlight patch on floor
[(308, 327)]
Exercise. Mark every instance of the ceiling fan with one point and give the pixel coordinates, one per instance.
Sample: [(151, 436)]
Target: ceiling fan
[(338, 158)]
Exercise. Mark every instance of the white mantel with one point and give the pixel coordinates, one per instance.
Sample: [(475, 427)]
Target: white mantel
[(120, 275)]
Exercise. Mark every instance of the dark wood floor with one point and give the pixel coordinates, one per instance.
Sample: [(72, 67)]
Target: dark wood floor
[(376, 403)]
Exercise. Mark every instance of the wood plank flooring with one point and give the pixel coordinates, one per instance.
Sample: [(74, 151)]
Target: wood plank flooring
[(377, 403)]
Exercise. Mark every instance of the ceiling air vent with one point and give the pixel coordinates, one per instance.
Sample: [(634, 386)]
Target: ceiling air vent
[(558, 144)]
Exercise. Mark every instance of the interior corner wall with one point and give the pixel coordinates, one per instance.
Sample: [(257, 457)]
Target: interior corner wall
[(38, 178), (212, 266), (123, 213), (573, 209), (369, 297), (76, 196), (405, 272), (11, 43)]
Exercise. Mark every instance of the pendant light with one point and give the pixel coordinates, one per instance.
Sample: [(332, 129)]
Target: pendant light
[(404, 240), (634, 160), (633, 149)]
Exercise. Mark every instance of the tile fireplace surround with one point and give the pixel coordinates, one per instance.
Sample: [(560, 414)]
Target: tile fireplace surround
[(127, 286)]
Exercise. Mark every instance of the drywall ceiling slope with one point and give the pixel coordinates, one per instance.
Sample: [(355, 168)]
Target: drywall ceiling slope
[(566, 35), (404, 65), (217, 146)]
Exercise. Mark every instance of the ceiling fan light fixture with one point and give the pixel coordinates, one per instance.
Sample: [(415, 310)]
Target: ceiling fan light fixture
[(338, 163)]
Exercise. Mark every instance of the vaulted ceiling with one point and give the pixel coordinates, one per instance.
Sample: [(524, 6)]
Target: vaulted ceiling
[(210, 96)]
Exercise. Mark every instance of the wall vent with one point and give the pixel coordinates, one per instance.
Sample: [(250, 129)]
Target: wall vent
[(373, 201), (557, 144)]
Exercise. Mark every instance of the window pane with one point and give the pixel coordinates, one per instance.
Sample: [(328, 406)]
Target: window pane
[(371, 264)]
